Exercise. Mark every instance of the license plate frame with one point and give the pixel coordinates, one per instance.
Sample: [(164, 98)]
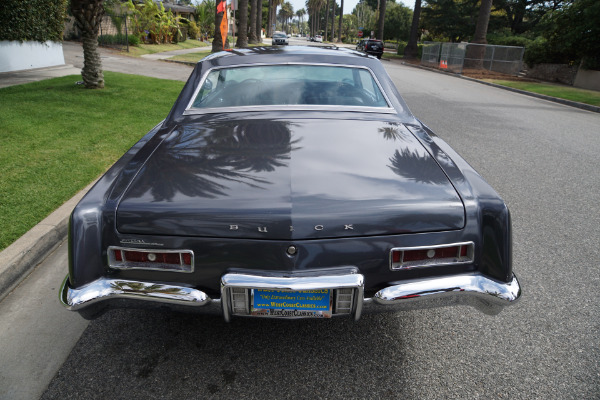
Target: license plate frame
[(317, 303)]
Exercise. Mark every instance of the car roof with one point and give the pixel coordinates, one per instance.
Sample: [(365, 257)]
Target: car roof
[(300, 53), (331, 55)]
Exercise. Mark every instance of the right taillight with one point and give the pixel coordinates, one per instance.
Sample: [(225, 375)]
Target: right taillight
[(427, 256)]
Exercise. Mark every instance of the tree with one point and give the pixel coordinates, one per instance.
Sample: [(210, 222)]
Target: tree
[(252, 22), (242, 40), (411, 50), (300, 14), (573, 32), (340, 22), (205, 17), (220, 10), (450, 20), (397, 20), (88, 16), (382, 7)]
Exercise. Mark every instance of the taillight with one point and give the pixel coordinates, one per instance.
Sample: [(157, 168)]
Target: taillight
[(161, 260), (426, 256)]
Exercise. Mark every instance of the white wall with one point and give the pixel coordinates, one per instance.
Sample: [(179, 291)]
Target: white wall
[(15, 56)]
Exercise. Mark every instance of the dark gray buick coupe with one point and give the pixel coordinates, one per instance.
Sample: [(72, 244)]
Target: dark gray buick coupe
[(290, 183)]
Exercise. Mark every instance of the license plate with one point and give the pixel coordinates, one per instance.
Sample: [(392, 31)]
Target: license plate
[(288, 304)]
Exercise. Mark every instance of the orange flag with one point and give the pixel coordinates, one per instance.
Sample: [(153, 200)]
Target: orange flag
[(221, 7), (224, 26)]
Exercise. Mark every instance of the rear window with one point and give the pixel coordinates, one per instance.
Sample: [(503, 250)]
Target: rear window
[(289, 85)]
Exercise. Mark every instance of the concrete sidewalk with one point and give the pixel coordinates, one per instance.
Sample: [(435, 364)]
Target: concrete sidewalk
[(38, 74)]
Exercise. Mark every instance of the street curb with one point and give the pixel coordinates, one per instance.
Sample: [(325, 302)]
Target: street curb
[(570, 103), (22, 256)]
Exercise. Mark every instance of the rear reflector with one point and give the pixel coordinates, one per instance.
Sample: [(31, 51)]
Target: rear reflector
[(427, 256), (161, 260)]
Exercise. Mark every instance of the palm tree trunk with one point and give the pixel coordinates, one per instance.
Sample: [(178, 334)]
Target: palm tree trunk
[(259, 16), (326, 20), (340, 22), (242, 40), (252, 22), (92, 75), (270, 19), (333, 22), (88, 16), (217, 44)]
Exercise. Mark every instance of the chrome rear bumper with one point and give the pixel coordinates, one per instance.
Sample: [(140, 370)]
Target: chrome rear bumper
[(487, 295)]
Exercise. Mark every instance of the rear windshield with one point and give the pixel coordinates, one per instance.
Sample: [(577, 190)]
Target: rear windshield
[(268, 85)]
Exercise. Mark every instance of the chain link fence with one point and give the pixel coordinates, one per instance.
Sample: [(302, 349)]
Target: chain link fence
[(456, 57), (431, 54)]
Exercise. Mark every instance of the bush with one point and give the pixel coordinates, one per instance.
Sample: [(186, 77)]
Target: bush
[(402, 46), (193, 31), (520, 41), (540, 51), (118, 39), (38, 20)]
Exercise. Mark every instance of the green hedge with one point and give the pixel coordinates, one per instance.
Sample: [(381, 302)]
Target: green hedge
[(37, 20), (402, 45)]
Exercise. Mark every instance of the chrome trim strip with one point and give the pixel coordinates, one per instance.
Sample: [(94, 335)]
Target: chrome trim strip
[(485, 294), (247, 281), (192, 111), (470, 255), (107, 289)]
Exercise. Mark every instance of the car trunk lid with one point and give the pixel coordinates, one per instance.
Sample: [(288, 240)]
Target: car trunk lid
[(290, 179)]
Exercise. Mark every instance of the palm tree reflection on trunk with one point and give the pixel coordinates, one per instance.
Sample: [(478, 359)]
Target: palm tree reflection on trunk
[(199, 161)]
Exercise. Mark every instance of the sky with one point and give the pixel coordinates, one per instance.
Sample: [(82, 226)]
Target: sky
[(348, 4)]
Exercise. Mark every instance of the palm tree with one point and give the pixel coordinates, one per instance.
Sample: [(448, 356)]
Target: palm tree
[(252, 22), (220, 10), (88, 16), (300, 14), (286, 12), (340, 23), (242, 40), (273, 4)]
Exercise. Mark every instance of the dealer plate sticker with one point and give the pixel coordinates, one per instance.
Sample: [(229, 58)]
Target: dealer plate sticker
[(281, 303)]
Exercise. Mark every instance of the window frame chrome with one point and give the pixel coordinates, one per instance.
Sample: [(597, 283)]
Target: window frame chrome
[(189, 110)]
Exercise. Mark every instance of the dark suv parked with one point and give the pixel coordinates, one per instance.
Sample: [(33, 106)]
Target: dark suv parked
[(371, 46)]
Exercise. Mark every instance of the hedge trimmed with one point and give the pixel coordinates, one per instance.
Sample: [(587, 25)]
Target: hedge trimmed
[(34, 20)]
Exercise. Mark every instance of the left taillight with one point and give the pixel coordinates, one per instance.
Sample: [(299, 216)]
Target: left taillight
[(429, 256), (152, 259)]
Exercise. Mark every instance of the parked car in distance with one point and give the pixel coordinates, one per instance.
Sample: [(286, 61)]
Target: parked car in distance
[(371, 46), (280, 38), (318, 38), (290, 182)]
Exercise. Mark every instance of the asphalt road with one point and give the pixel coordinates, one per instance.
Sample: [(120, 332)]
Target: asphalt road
[(543, 158)]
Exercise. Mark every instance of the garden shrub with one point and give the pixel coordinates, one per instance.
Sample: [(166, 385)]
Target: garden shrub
[(36, 20)]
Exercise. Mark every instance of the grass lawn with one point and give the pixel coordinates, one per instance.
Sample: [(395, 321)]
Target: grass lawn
[(57, 137), (191, 57), (136, 51), (389, 56), (563, 92)]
